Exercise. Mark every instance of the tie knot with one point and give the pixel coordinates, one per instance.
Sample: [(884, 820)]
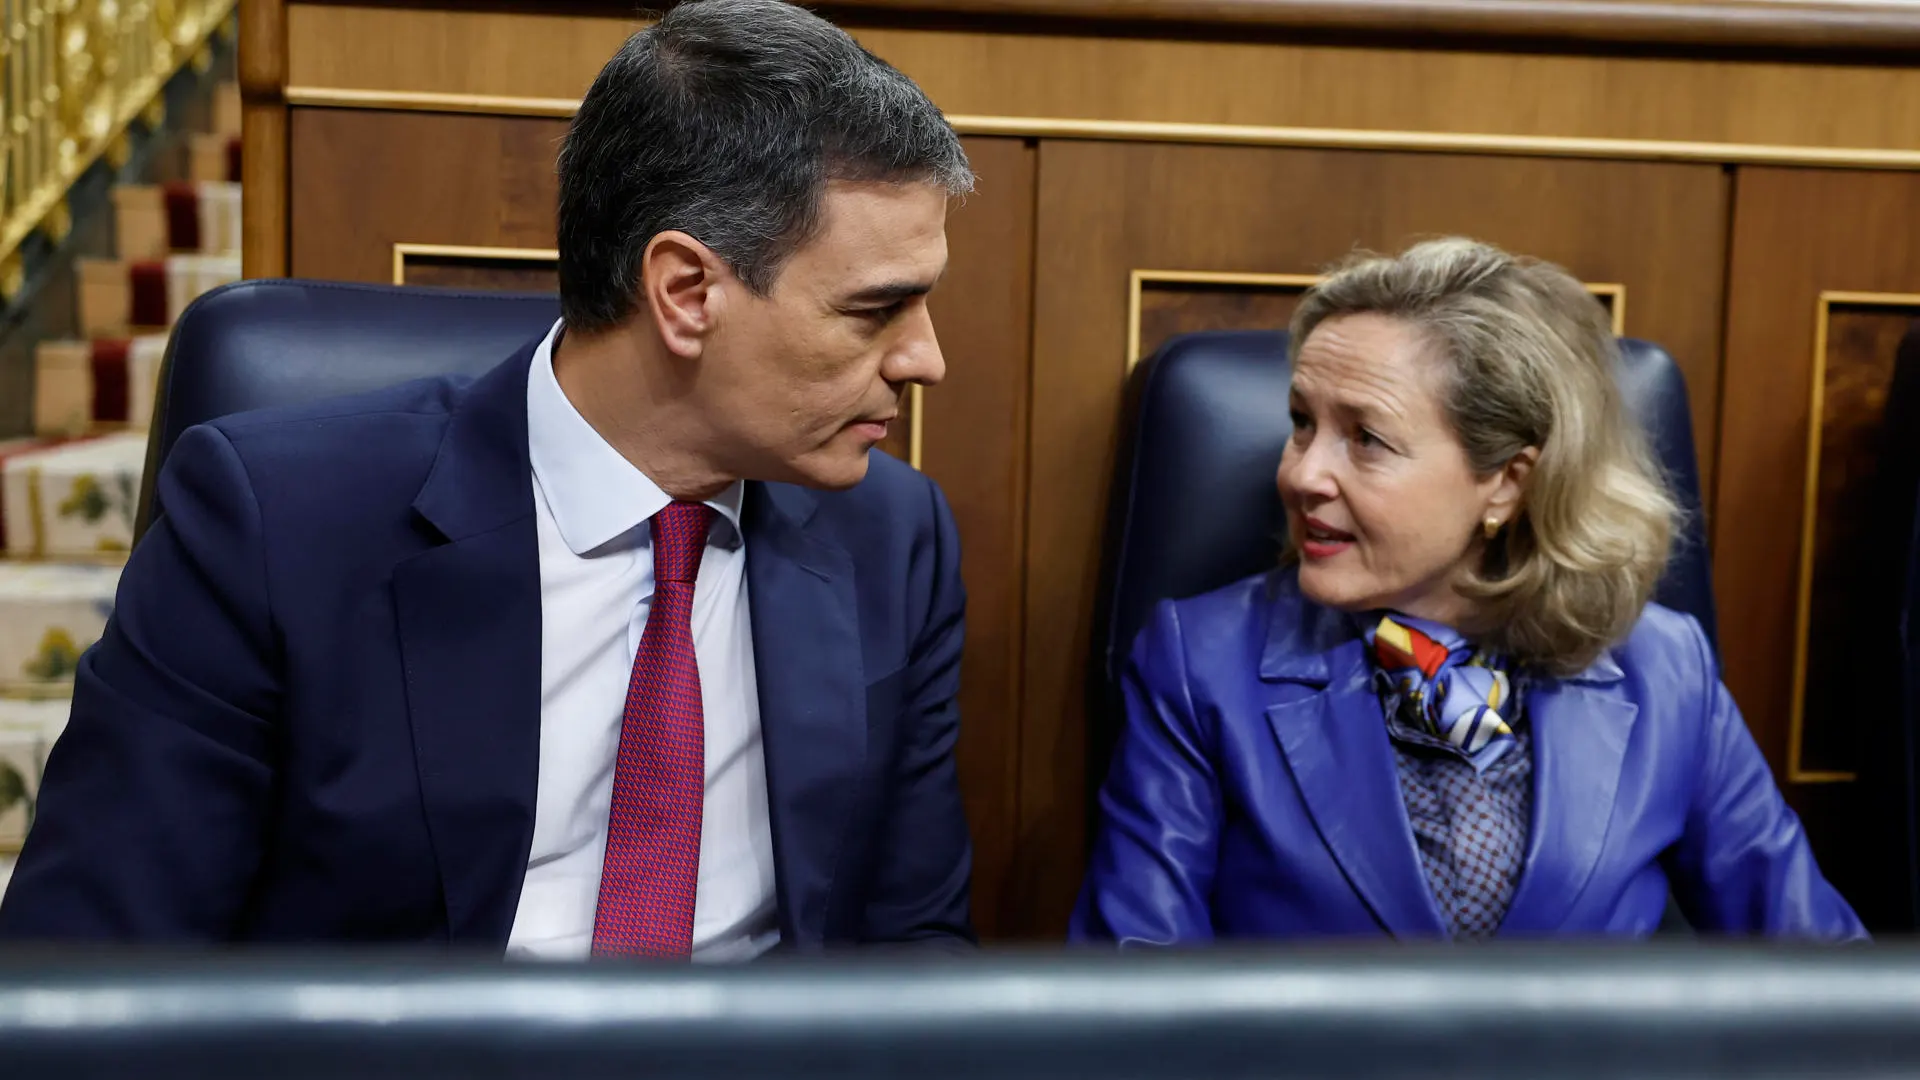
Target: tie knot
[(679, 539)]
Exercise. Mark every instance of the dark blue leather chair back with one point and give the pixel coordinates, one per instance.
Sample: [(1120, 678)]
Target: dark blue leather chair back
[(266, 342), (1196, 507)]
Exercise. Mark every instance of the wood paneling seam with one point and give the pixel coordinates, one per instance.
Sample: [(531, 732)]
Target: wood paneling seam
[(1214, 134)]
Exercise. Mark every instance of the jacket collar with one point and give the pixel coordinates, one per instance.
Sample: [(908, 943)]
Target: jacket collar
[(1338, 750), (481, 479)]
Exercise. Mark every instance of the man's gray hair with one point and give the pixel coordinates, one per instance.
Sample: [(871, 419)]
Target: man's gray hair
[(726, 120)]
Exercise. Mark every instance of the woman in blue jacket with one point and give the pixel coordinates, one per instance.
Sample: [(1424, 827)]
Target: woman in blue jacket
[(1451, 712)]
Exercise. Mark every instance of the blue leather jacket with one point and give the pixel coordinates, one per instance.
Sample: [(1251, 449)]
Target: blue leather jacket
[(1253, 793)]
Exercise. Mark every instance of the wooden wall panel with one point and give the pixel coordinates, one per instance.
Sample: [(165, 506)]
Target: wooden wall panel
[(1846, 685), (974, 442), (982, 72), (347, 217), (1842, 27), (264, 180), (1168, 306), (364, 181), (524, 53), (1171, 308), (1796, 234), (1106, 210), (513, 275)]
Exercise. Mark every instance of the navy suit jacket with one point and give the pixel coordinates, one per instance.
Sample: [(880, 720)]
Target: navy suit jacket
[(1254, 792), (315, 714)]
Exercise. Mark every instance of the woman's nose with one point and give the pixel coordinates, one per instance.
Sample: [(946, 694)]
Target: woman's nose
[(1305, 472)]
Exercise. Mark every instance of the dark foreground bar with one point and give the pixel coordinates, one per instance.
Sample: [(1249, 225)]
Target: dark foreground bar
[(1496, 1013)]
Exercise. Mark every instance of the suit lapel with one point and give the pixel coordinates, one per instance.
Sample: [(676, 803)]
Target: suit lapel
[(468, 611), (813, 719), (1581, 728), (1342, 761)]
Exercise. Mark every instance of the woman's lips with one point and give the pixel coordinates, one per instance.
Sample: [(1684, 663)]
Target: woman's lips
[(1322, 541)]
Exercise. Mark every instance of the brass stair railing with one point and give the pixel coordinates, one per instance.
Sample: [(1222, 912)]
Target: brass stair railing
[(77, 74)]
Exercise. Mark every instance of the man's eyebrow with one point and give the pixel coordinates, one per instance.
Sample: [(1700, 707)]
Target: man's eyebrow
[(892, 292)]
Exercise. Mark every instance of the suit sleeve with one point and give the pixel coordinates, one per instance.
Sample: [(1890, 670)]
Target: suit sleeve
[(921, 892), (1156, 844), (1744, 865), (150, 816)]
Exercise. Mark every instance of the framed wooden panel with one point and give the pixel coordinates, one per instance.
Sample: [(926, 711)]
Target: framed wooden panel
[(460, 266), (1106, 210), (1857, 336), (1803, 241), (1801, 238), (363, 182), (975, 446)]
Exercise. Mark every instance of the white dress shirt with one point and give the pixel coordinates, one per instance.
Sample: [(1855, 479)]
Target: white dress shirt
[(596, 586)]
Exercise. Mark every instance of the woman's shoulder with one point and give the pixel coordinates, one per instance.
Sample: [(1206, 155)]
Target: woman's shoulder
[(1213, 645), (1667, 651), (1230, 629), (1662, 630)]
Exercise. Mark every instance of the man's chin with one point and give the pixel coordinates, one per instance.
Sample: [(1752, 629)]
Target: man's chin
[(835, 472)]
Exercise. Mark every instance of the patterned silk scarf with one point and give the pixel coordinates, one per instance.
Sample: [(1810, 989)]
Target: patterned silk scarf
[(1454, 690)]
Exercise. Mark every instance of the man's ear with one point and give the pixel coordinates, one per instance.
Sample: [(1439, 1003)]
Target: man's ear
[(679, 280), (1510, 488)]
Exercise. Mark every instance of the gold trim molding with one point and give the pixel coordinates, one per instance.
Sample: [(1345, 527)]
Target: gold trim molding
[(460, 251), (1040, 127), (1803, 596), (915, 393), (1614, 292), (330, 97), (1138, 281)]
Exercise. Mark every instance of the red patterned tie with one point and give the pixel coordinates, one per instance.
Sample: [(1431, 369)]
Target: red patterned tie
[(652, 868)]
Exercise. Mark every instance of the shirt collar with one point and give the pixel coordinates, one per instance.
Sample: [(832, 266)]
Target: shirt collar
[(596, 496)]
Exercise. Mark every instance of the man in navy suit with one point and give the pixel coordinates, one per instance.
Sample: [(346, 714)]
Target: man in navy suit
[(632, 646)]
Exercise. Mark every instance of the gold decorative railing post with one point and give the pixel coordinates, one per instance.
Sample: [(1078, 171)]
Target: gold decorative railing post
[(77, 72)]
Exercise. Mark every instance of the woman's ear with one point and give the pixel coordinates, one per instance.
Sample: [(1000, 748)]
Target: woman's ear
[(1510, 486)]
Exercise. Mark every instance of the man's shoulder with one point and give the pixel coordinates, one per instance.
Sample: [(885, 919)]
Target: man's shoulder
[(332, 463), (426, 401)]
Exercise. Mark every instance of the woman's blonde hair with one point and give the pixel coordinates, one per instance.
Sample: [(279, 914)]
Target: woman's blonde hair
[(1531, 362)]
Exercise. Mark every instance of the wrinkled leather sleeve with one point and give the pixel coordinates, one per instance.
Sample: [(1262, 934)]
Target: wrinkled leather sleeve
[(1743, 865), (1156, 843)]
